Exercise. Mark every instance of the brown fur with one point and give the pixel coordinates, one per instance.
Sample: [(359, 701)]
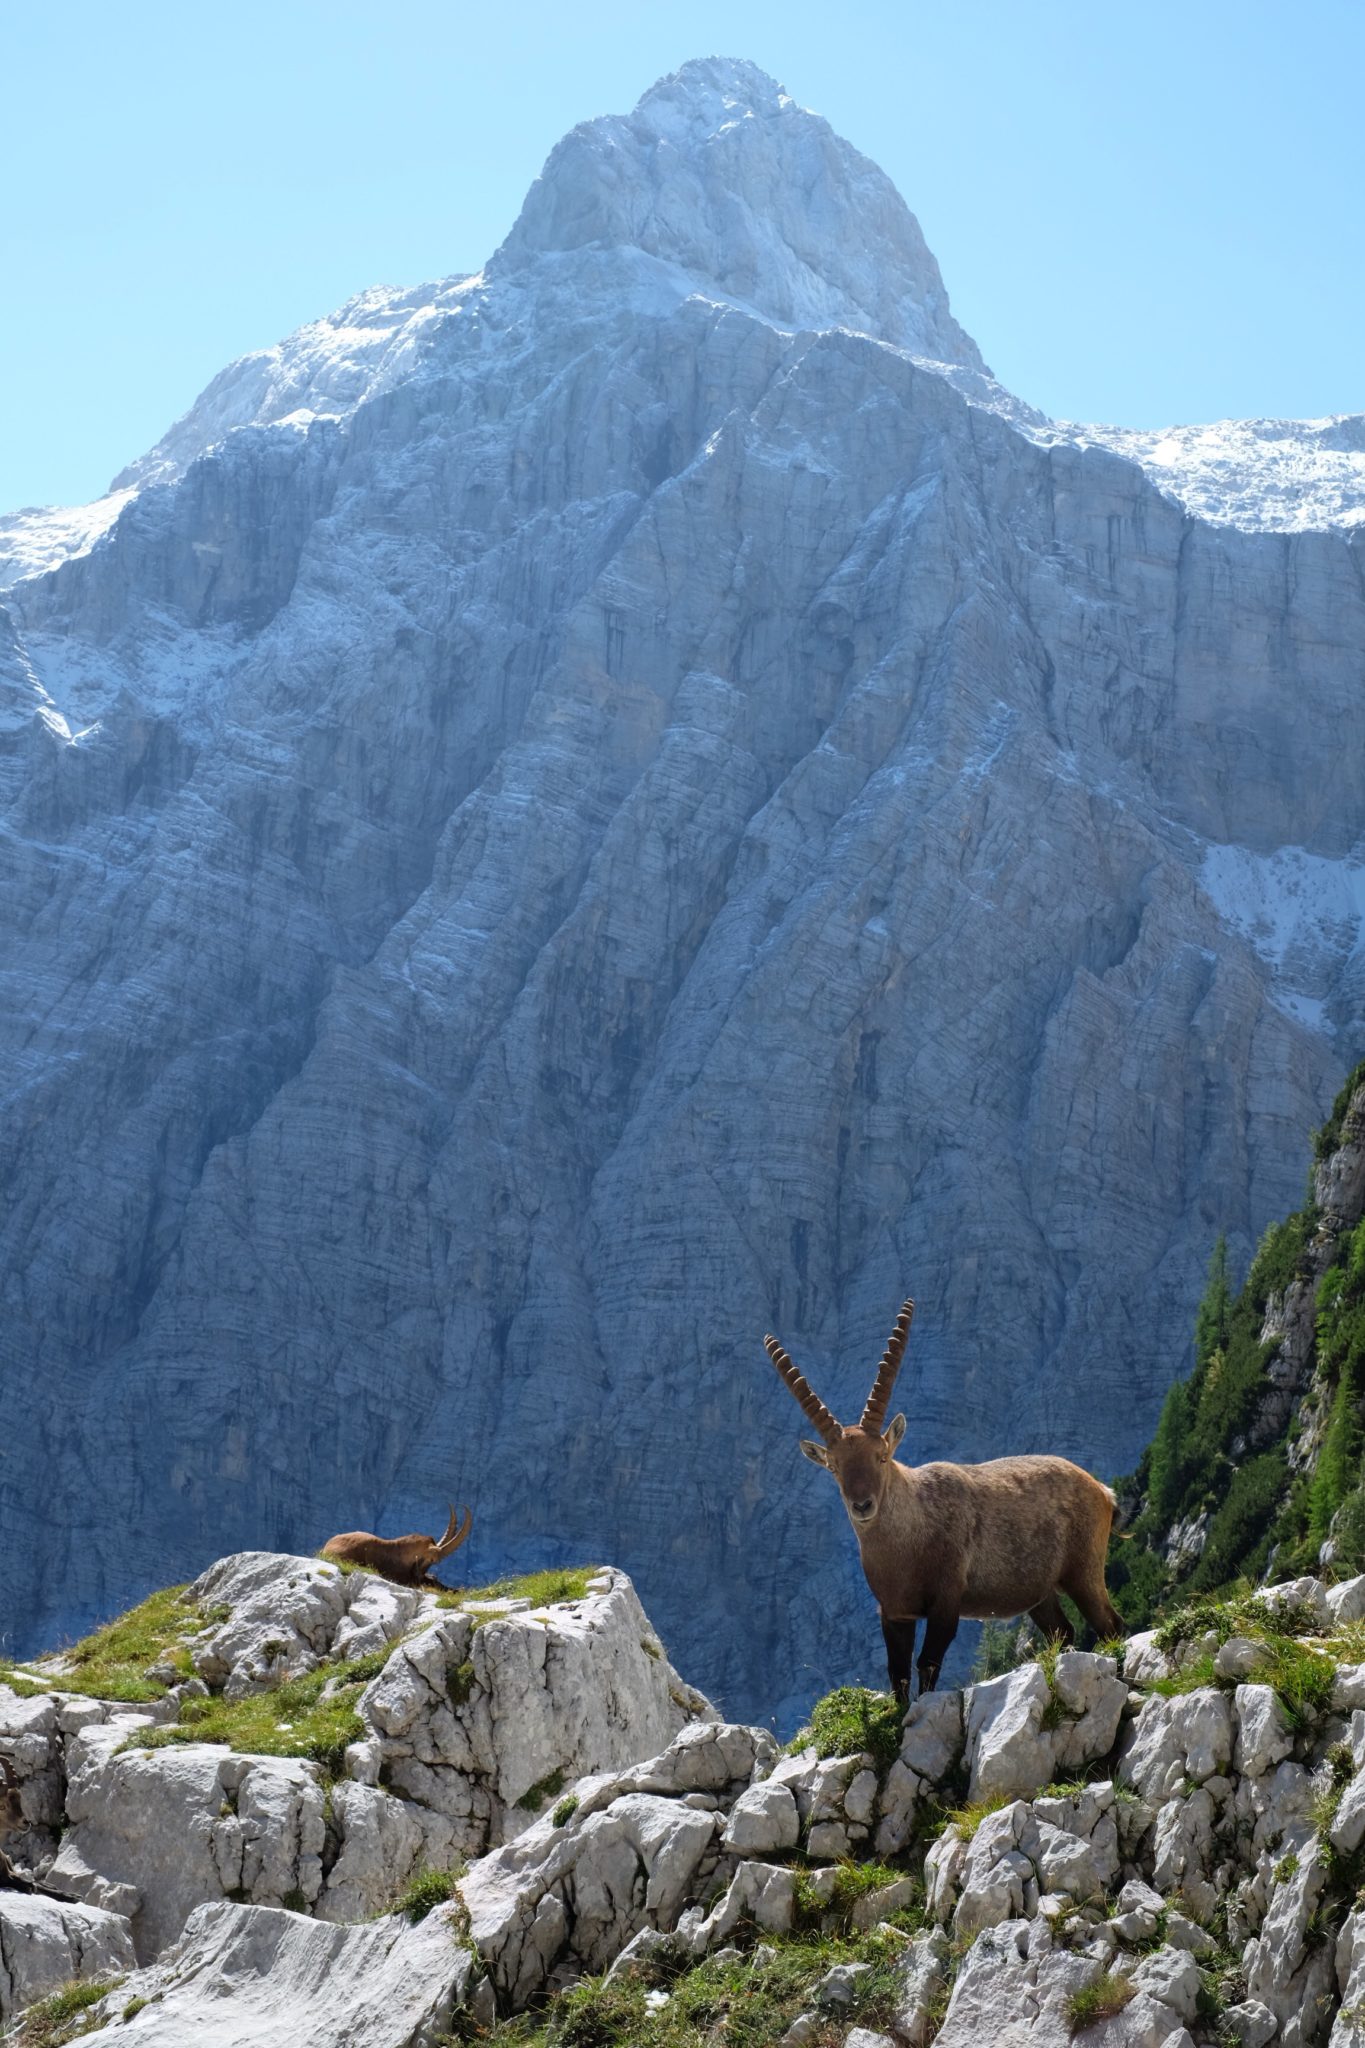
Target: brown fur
[(406, 1560), (940, 1541), (12, 1822)]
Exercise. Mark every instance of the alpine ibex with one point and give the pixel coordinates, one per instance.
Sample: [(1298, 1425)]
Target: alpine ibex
[(12, 1822), (940, 1541), (407, 1560)]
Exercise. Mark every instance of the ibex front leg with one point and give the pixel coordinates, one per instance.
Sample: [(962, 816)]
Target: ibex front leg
[(939, 1629), (899, 1637)]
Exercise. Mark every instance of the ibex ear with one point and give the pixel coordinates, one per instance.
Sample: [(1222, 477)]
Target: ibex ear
[(817, 1453), (894, 1431)]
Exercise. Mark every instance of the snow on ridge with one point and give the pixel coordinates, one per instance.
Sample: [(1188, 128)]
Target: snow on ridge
[(40, 537), (323, 370), (790, 267), (1303, 913), (1262, 476)]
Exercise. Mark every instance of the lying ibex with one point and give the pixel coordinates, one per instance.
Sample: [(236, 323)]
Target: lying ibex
[(407, 1560), (941, 1541), (12, 1822)]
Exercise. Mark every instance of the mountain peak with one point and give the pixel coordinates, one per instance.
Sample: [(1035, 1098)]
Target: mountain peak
[(718, 171)]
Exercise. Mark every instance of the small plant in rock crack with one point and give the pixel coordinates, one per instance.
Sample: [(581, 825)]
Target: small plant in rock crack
[(1107, 1996), (535, 1796), (427, 1890)]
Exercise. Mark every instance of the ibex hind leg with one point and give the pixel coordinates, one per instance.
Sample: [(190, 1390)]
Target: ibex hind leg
[(1050, 1616), (1092, 1597)]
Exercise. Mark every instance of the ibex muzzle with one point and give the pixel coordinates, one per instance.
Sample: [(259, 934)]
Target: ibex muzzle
[(940, 1541)]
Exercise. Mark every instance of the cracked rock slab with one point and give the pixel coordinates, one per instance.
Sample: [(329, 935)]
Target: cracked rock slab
[(257, 1977)]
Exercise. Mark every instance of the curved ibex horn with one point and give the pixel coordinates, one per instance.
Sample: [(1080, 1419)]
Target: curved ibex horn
[(453, 1538), (874, 1415), (811, 1405)]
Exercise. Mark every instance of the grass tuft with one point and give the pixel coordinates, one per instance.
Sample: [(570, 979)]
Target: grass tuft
[(967, 1819), (851, 1882), (851, 1720), (716, 2001), (1101, 2000), (63, 2015), (293, 1720), (535, 1796), (427, 1890), (542, 1589), (111, 1663)]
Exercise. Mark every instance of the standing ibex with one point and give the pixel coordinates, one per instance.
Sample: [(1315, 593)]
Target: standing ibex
[(941, 1541), (407, 1560)]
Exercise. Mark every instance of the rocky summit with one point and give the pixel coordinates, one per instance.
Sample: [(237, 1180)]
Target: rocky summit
[(566, 818), (328, 1810)]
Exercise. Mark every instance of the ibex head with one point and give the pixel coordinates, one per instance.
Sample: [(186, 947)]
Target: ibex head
[(429, 1550), (859, 1455)]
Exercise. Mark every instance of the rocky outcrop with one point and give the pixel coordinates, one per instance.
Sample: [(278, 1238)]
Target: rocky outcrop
[(459, 1734), (46, 1943), (1149, 1858), (262, 1978)]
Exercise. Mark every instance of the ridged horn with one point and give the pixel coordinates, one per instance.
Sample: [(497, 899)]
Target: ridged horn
[(874, 1415), (453, 1538), (812, 1407)]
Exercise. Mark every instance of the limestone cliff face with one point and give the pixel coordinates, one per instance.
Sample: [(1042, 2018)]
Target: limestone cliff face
[(632, 813)]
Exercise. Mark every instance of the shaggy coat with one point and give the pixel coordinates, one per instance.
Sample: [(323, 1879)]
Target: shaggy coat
[(940, 1541)]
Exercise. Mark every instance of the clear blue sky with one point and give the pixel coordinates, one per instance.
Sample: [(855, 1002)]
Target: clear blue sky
[(1144, 213)]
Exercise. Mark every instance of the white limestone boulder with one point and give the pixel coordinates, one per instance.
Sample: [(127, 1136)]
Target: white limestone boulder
[(477, 1724), (1091, 1695), (1088, 1814), (1346, 1602), (762, 1819), (289, 1614), (380, 1843), (155, 1834), (585, 1888), (1306, 1596), (921, 1973), (1263, 1735), (1284, 1968), (257, 1977), (1171, 1976), (1144, 1662), (45, 1943), (1009, 1750), (1170, 1740), (1013, 1989)]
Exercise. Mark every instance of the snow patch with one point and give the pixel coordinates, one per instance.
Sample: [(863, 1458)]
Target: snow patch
[(40, 537), (1303, 914)]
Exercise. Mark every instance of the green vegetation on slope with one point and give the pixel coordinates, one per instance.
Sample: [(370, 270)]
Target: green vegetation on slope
[(725, 2001), (313, 1716), (1213, 1454), (113, 1663)]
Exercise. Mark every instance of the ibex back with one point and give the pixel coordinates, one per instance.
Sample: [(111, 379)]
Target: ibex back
[(407, 1560), (940, 1541)]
